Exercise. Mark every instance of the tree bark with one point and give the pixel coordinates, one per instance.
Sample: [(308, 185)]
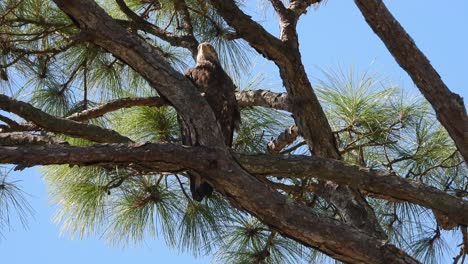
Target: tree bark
[(448, 106), (176, 158), (105, 32), (289, 218), (307, 112), (60, 125)]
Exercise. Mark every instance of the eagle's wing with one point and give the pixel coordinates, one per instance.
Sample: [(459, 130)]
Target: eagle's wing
[(222, 98), (219, 91), (198, 187)]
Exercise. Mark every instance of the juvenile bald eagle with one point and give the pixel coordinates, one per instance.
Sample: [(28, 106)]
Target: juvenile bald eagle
[(219, 91)]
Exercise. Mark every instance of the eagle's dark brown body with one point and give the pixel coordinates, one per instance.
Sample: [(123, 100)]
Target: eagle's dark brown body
[(219, 91)]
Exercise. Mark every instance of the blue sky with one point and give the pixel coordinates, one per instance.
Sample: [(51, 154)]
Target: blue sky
[(334, 35)]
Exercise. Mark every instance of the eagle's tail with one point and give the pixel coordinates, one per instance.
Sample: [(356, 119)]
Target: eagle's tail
[(199, 188)]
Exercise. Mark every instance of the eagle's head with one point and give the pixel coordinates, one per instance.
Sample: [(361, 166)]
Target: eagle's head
[(206, 53)]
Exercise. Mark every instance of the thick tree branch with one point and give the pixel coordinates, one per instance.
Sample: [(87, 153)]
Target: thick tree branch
[(357, 177), (260, 39), (105, 32), (11, 123), (330, 236), (304, 104), (60, 125), (307, 112), (449, 107), (157, 155), (175, 158), (290, 218), (20, 128), (279, 7), (252, 98)]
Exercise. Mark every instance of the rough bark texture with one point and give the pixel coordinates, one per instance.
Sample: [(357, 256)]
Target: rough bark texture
[(264, 98), (300, 6), (358, 240), (291, 219), (105, 32), (175, 158), (287, 137), (307, 112), (371, 181), (186, 41), (244, 99), (23, 138), (117, 104), (449, 107), (60, 125)]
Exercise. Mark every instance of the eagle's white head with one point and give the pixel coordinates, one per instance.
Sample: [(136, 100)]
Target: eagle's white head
[(206, 53)]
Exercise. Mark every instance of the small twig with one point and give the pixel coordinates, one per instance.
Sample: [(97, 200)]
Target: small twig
[(183, 189)]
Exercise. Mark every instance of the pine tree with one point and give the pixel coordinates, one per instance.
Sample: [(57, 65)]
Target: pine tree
[(349, 168)]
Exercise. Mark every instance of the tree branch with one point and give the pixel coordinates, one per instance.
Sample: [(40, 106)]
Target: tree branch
[(189, 42), (307, 112), (181, 7), (384, 184), (449, 107), (252, 98), (287, 137), (260, 39), (244, 99), (279, 7), (60, 125), (299, 7), (117, 104), (105, 32), (263, 98), (11, 123), (175, 158), (290, 218)]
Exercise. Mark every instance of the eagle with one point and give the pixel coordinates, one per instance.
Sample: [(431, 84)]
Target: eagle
[(218, 89)]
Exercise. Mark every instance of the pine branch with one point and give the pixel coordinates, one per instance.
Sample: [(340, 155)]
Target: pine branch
[(59, 125), (263, 98), (187, 41), (11, 123), (13, 139), (287, 137), (175, 158), (117, 104), (305, 107), (449, 107), (244, 99)]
